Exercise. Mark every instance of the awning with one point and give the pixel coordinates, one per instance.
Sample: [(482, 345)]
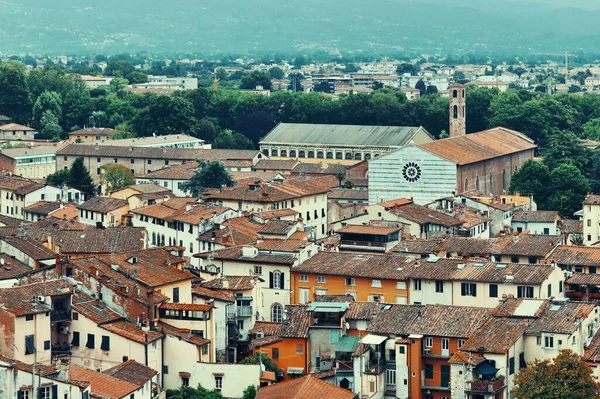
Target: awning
[(347, 343), (295, 370), (328, 307), (373, 339)]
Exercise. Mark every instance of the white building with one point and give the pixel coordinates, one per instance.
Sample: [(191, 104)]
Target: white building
[(164, 82), (537, 222), (591, 220)]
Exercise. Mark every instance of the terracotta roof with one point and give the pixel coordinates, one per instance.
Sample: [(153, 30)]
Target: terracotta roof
[(234, 232), (279, 245), (266, 327), (219, 295), (440, 269), (388, 322), (348, 194), (43, 207), (592, 199), (186, 210), (268, 192), (466, 246), (354, 265), (40, 369), (130, 331), (276, 164), (422, 247), (182, 333), (334, 298), (461, 357), (569, 255), (183, 171), (497, 335), (145, 188), (304, 388), (277, 227), (235, 283), (276, 213), (481, 146), (491, 272), (262, 341), (53, 222), (469, 216), (15, 126), (176, 154), (99, 241), (236, 254), (318, 169), (12, 268), (19, 300), (422, 215), (194, 307), (166, 209), (539, 245), (521, 307), (584, 279), (368, 230), (362, 311), (561, 318), (93, 309), (448, 320), (7, 221), (19, 185), (93, 131), (131, 371), (296, 322), (570, 226), (102, 385), (536, 216), (103, 204), (31, 248), (592, 352)]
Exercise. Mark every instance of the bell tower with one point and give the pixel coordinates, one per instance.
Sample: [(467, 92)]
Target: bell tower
[(458, 111)]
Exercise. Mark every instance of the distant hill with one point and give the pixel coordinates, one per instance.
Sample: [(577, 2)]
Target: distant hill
[(207, 26)]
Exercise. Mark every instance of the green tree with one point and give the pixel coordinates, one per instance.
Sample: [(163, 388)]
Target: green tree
[(59, 178), (421, 87), (478, 107), (80, 178), (116, 176), (564, 147), (250, 392), (406, 67), (566, 377), (166, 115), (276, 73), (261, 358), (256, 78), (210, 174), (231, 140), (118, 84), (299, 61), (14, 94), (137, 77), (532, 179), (193, 393), (591, 129), (206, 130), (48, 101), (77, 108), (431, 90), (122, 68), (567, 190)]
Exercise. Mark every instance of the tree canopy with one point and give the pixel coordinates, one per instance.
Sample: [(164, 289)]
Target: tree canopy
[(565, 377), (116, 176), (193, 393), (210, 174), (80, 178)]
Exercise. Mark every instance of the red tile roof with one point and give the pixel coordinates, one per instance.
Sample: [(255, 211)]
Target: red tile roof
[(497, 335), (20, 300), (194, 307), (268, 192), (231, 283), (279, 245), (103, 204), (102, 385), (182, 333), (368, 230), (237, 254), (219, 295), (569, 255), (306, 387), (354, 265)]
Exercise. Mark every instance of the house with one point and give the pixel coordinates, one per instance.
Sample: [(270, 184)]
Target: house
[(106, 386), (340, 142), (163, 141), (222, 301), (11, 270), (307, 197), (140, 195), (483, 161), (231, 233), (30, 162), (577, 259), (591, 220), (43, 209), (171, 177), (104, 212), (91, 135), (28, 251), (164, 82), (283, 166), (286, 343), (365, 277), (537, 222), (137, 374), (16, 132), (368, 238), (304, 387), (76, 243), (142, 160)]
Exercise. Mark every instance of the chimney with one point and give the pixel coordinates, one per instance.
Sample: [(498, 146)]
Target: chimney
[(64, 369), (188, 206), (225, 283)]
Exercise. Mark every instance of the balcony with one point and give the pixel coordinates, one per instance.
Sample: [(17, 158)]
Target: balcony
[(574, 294), (60, 315), (61, 350), (244, 311), (376, 367), (364, 245), (344, 365), (486, 387)]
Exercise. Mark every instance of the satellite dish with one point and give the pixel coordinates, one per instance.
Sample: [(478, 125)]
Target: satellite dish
[(262, 367), (2, 261)]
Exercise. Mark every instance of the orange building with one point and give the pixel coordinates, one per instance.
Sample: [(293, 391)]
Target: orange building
[(285, 343), (365, 277)]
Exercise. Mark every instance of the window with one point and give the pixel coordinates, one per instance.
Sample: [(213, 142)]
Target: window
[(149, 162), (375, 283), (589, 222), (532, 260), (75, 341), (185, 381), (258, 270), (320, 279), (165, 369), (24, 394), (90, 341), (304, 277), (401, 350), (514, 259), (524, 292), (468, 289), (276, 280), (511, 366), (47, 345), (204, 350), (461, 342), (390, 377), (334, 336), (45, 392), (417, 285), (350, 281), (428, 370), (299, 349), (428, 342), (276, 313), (401, 285), (538, 340), (493, 290), (29, 345), (548, 342), (176, 295), (105, 345), (218, 382), (549, 290), (391, 355), (29, 317), (275, 353), (439, 286)]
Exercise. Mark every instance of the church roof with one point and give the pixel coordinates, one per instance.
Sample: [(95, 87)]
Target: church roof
[(355, 135), (481, 146)]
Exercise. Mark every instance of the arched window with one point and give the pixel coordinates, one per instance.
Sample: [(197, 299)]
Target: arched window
[(162, 240), (348, 155), (358, 157), (276, 279), (454, 93), (455, 111), (274, 153), (276, 313), (311, 154), (320, 154), (153, 238), (339, 155), (293, 153), (376, 155), (466, 184), (266, 152), (367, 156), (283, 153), (301, 154), (477, 183), (329, 155)]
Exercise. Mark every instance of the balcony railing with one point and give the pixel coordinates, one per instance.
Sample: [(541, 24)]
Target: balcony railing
[(244, 311), (574, 294), (60, 315), (484, 386), (363, 243), (344, 365), (376, 367)]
